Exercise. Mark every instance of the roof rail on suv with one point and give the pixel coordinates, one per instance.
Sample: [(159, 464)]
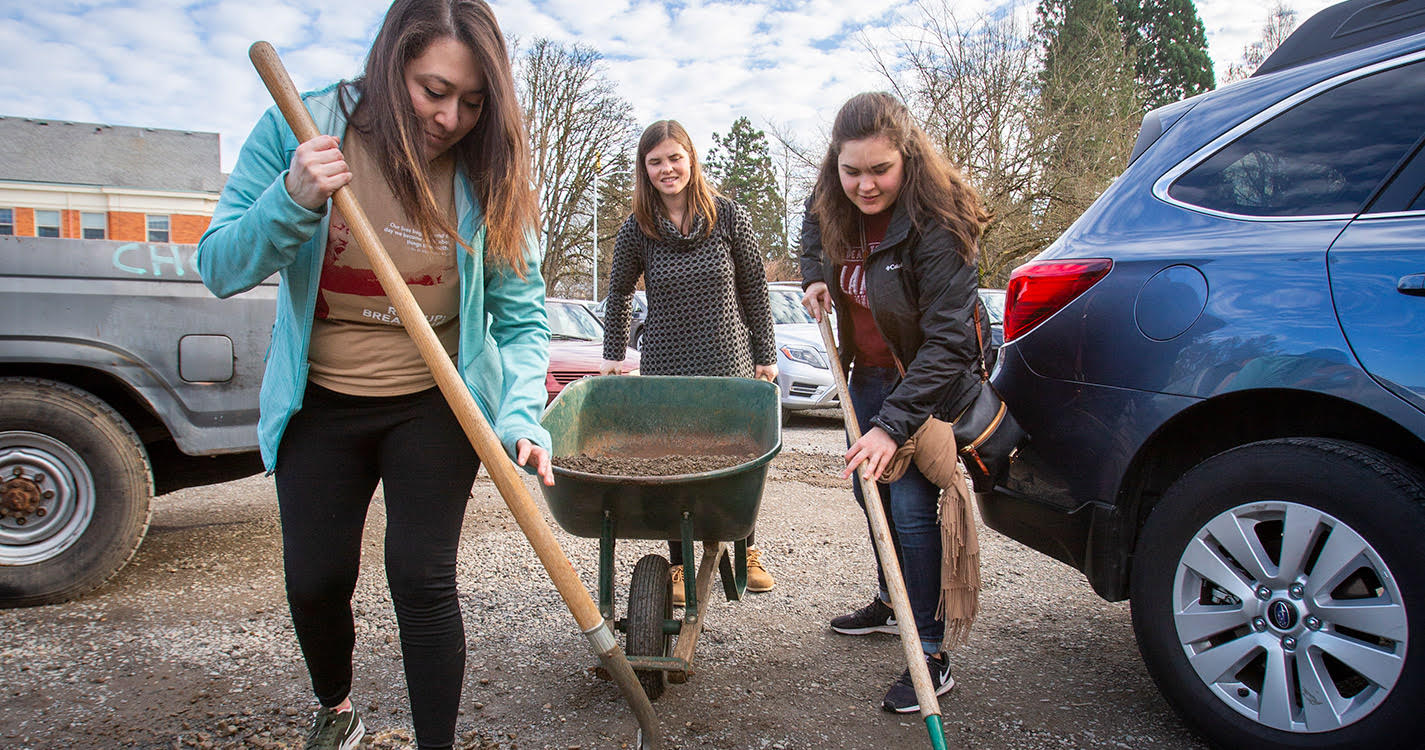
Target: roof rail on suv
[(1344, 27)]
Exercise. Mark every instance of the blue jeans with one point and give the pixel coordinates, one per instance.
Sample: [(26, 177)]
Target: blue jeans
[(911, 504)]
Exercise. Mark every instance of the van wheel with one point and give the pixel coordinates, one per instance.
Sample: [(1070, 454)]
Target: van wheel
[(75, 484), (1279, 597)]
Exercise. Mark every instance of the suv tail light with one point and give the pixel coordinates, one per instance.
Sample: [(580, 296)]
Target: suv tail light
[(1039, 289)]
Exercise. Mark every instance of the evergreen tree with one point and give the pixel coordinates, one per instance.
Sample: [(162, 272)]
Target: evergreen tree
[(740, 166), (1089, 105), (1169, 48)]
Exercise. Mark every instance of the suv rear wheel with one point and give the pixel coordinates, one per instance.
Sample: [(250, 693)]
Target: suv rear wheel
[(1279, 596)]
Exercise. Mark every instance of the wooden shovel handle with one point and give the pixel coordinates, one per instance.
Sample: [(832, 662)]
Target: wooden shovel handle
[(492, 454), (881, 535)]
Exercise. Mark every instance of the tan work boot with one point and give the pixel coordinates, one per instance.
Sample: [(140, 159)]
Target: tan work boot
[(758, 579), (679, 598)]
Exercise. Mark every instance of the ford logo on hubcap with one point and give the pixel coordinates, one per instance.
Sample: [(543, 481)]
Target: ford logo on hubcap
[(1281, 614)]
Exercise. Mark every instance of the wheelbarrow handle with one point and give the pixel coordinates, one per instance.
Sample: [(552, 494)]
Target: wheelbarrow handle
[(890, 565), (492, 454)]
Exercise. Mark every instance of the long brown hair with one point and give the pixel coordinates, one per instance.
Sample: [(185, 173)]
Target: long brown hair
[(932, 190), (647, 203), (495, 153)]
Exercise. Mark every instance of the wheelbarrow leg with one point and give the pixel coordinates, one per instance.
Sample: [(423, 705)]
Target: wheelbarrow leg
[(689, 563), (714, 556), (734, 572), (606, 569)]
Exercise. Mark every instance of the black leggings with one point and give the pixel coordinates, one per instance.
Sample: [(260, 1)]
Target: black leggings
[(333, 453)]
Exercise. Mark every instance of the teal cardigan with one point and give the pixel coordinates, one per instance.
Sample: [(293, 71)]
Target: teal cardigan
[(258, 230)]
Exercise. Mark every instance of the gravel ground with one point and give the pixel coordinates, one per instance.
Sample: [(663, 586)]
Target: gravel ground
[(190, 646)]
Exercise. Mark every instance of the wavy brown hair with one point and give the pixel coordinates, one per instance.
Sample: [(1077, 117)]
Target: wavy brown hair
[(932, 190), (495, 153), (647, 201)]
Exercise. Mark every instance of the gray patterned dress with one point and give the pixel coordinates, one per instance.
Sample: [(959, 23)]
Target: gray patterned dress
[(708, 312)]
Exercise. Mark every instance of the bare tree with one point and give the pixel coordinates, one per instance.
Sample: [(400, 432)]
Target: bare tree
[(973, 87), (796, 165), (574, 116), (1280, 22), (1040, 123)]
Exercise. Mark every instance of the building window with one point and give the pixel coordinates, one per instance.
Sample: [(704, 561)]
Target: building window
[(7, 221), (93, 226), (46, 223), (157, 228)]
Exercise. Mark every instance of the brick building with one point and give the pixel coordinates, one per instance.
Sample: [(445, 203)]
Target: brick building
[(88, 181)]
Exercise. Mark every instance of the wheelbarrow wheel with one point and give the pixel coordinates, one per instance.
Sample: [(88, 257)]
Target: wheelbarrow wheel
[(650, 603)]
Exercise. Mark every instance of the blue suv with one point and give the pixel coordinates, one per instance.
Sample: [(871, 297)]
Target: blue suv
[(1221, 365)]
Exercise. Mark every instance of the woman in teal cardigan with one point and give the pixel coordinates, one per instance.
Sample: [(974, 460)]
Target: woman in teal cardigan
[(431, 140)]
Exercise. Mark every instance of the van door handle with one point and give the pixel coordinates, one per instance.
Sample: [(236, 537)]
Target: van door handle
[(1414, 285)]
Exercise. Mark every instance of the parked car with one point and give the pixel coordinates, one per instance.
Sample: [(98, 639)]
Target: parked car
[(803, 370), (1221, 365), (814, 388), (993, 300), (802, 366), (639, 304), (576, 344)]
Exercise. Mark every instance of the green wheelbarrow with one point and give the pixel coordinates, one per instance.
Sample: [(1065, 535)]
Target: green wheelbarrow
[(652, 417)]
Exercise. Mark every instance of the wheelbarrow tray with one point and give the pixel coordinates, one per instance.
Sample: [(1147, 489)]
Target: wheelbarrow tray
[(654, 416)]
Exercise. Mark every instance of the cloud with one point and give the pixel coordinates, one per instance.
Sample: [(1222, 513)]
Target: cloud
[(183, 64), (1231, 25)]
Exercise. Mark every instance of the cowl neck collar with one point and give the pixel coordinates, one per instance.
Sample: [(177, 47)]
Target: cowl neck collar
[(670, 234)]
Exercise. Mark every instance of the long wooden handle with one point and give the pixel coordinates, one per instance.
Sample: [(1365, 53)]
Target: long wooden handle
[(881, 535), (492, 454)]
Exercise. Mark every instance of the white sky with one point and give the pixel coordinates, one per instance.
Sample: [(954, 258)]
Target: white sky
[(182, 64)]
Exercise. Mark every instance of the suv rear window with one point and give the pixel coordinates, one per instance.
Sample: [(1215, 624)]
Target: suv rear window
[(1322, 157)]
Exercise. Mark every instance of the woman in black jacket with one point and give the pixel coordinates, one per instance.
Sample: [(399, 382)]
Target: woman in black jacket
[(889, 242)]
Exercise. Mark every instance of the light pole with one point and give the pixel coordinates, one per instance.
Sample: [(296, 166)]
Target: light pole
[(597, 160), (598, 165)]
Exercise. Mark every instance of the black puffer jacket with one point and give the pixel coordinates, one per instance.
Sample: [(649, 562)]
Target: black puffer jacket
[(922, 295)]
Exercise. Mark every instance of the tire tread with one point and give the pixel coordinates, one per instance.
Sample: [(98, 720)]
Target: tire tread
[(114, 430)]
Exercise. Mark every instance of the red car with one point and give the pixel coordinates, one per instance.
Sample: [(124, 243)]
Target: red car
[(576, 345)]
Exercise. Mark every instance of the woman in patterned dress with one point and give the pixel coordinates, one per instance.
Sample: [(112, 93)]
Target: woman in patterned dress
[(708, 311)]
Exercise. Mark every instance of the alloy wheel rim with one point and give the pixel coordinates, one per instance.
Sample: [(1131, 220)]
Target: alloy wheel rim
[(1290, 616)]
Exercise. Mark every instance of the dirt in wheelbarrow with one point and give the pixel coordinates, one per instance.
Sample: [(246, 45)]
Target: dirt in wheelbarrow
[(659, 466)]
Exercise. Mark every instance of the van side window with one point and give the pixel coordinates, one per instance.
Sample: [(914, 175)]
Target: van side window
[(1324, 156)]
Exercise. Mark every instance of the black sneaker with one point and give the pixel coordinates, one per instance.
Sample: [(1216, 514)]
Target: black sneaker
[(901, 697), (876, 617), (332, 730)]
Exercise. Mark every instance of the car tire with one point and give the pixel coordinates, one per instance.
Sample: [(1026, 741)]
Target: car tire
[(1216, 575), (76, 484)]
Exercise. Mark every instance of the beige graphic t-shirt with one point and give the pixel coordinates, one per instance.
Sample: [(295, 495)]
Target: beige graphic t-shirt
[(358, 345)]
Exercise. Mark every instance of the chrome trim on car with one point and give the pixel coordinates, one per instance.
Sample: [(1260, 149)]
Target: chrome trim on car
[(1160, 187)]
